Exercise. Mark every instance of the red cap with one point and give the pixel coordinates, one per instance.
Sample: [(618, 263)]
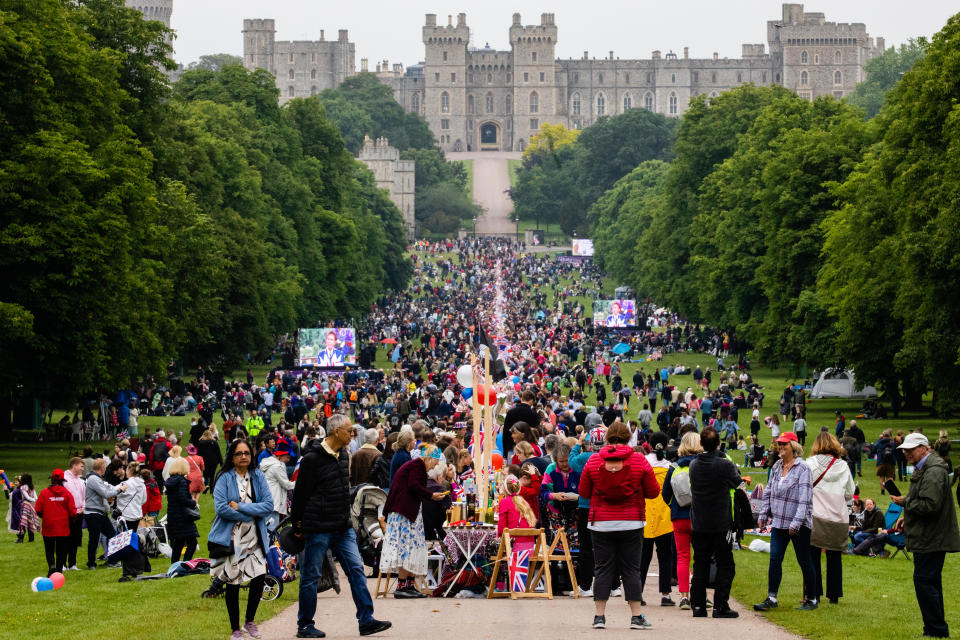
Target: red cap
[(57, 474), (788, 436)]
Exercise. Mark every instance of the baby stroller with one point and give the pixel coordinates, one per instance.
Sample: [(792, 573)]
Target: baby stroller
[(281, 566), (365, 510)]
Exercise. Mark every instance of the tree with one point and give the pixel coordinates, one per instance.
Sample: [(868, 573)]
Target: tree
[(548, 140), (885, 71), (215, 62)]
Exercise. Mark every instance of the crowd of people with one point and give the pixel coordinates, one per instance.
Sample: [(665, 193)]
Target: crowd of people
[(647, 467)]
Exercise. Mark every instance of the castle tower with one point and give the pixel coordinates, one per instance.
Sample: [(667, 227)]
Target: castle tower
[(445, 81), (160, 10), (259, 45), (534, 77)]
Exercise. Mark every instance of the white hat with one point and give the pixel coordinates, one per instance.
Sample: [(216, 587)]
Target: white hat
[(914, 440)]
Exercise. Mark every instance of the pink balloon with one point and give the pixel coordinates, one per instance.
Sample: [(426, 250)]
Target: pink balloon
[(58, 580)]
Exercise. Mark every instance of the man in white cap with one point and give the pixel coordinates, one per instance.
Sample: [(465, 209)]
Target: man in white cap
[(930, 527)]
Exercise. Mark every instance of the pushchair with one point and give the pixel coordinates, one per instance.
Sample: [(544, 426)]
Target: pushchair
[(366, 507), (281, 566)]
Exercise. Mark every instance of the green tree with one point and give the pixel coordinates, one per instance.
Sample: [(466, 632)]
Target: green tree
[(885, 71), (215, 62)]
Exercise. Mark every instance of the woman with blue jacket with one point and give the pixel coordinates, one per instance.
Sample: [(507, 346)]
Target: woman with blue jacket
[(242, 501)]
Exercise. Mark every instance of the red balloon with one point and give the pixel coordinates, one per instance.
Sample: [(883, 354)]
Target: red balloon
[(57, 579), (486, 395), (497, 461)]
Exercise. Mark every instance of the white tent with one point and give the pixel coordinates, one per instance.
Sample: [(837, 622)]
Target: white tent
[(834, 383)]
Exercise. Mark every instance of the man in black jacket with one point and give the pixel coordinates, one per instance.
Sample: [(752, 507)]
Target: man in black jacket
[(321, 515), (712, 476), (522, 412)]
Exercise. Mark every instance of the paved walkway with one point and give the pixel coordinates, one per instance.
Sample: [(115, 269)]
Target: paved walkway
[(491, 180), (559, 619)]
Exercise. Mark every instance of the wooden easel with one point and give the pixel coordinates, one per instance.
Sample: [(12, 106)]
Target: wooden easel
[(539, 557)]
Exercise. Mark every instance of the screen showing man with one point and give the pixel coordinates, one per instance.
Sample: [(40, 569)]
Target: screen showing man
[(327, 347), (616, 314), (332, 354), (582, 247)]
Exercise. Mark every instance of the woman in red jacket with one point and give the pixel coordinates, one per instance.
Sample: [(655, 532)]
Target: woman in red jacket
[(55, 507), (617, 482)]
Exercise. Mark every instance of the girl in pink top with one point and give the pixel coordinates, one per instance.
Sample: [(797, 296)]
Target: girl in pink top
[(515, 513)]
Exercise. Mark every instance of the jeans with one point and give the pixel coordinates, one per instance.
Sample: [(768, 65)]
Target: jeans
[(96, 524), (618, 553), (779, 539), (927, 571), (344, 546), (707, 547)]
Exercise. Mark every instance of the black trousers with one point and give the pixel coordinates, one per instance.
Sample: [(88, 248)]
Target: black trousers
[(834, 573), (665, 560), (97, 524), (617, 553), (927, 582), (585, 556), (177, 545), (210, 477), (76, 540), (710, 546), (232, 596), (56, 548)]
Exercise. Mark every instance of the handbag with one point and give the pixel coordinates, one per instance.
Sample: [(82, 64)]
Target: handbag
[(215, 550), (192, 512)]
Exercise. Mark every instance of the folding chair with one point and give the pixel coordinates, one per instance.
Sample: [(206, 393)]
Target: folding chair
[(539, 558), (897, 540)]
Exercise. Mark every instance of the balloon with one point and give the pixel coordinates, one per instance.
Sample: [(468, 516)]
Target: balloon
[(33, 584), (497, 461), (467, 393), (465, 375), (58, 580), (516, 379), (44, 584), (486, 395)]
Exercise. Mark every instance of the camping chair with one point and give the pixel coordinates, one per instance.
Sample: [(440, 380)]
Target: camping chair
[(898, 540)]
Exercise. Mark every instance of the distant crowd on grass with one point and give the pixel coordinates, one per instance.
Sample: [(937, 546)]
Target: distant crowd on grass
[(551, 363)]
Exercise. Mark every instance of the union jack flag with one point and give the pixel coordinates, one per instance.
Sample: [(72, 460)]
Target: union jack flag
[(519, 565), (457, 491)]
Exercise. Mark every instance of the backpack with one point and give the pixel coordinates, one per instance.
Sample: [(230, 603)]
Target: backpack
[(380, 474), (680, 483), (160, 454), (615, 486)]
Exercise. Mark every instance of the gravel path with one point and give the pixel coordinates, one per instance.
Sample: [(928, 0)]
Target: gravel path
[(491, 180)]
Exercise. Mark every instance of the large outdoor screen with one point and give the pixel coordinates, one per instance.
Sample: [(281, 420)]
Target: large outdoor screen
[(614, 313), (582, 247), (328, 347)]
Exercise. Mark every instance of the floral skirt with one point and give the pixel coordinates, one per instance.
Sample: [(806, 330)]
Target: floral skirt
[(404, 546)]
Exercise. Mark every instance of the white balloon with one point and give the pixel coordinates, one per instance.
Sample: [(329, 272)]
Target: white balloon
[(465, 375)]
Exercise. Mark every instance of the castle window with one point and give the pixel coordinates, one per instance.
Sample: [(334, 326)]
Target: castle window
[(713, 78), (803, 57), (489, 78), (291, 74), (534, 102), (444, 102), (763, 77), (673, 103), (533, 55), (489, 103), (777, 79), (415, 103), (648, 102), (313, 74), (509, 103), (627, 102), (696, 76), (534, 124), (509, 124), (436, 77), (673, 78), (816, 58), (837, 58), (290, 92), (313, 90), (444, 56), (739, 77), (469, 124), (291, 58), (509, 77), (576, 104), (601, 105), (470, 78), (576, 77), (313, 57), (542, 76), (626, 79), (837, 78), (804, 78), (526, 77), (444, 124), (453, 77), (470, 104), (649, 78), (600, 79)]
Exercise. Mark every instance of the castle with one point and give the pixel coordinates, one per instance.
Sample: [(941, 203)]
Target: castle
[(393, 174), (153, 9), (483, 99)]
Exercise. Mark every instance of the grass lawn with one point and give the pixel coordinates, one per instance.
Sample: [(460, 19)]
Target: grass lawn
[(468, 169), (513, 165), (552, 231)]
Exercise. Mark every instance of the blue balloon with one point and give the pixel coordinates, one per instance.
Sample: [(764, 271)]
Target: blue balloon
[(46, 584), (467, 393), (516, 379)]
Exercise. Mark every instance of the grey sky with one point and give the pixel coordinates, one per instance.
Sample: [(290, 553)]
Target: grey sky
[(391, 30)]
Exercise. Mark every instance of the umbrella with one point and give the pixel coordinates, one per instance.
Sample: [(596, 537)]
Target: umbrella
[(388, 341), (621, 348)]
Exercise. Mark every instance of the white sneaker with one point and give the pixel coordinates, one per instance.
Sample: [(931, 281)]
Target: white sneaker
[(616, 593), (73, 568), (585, 593)]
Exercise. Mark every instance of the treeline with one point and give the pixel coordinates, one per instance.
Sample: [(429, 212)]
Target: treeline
[(362, 106), (819, 236), (143, 223), (564, 171)]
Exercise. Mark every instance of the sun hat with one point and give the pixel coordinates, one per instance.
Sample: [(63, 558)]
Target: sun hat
[(914, 440)]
